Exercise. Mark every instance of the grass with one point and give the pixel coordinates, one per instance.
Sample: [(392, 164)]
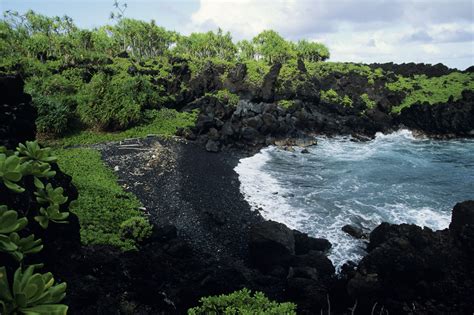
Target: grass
[(102, 205), (164, 122), (324, 69), (434, 90)]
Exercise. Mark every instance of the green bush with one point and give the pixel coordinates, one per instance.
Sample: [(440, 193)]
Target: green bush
[(226, 97), (331, 97), (53, 115), (242, 302), (420, 88), (286, 103), (136, 228), (115, 102), (256, 71), (367, 101)]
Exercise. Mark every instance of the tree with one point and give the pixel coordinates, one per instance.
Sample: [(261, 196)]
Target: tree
[(207, 45), (270, 46), (246, 50), (311, 51)]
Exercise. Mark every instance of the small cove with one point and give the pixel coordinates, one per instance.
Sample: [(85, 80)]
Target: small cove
[(395, 178)]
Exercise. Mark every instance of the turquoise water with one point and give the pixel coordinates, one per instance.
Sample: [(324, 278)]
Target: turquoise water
[(394, 178)]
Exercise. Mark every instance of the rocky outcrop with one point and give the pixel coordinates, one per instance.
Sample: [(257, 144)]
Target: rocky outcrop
[(17, 115), (411, 69), (454, 118), (411, 268)]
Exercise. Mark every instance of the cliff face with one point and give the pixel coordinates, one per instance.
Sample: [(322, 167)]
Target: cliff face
[(289, 105)]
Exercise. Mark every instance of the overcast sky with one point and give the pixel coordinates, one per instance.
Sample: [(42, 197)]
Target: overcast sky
[(355, 30)]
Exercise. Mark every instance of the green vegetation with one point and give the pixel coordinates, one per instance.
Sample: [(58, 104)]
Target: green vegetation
[(286, 103), (367, 101), (114, 102), (106, 79), (136, 229), (434, 90), (331, 97), (162, 122), (256, 72), (242, 302), (29, 292), (103, 206), (226, 97)]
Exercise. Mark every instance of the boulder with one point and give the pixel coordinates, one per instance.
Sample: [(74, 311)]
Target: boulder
[(462, 225), (354, 231), (305, 243), (271, 243)]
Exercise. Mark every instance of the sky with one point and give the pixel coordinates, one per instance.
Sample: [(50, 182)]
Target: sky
[(354, 30)]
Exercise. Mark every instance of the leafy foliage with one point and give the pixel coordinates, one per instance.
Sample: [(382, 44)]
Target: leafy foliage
[(433, 90), (311, 51), (242, 302), (135, 228), (11, 172), (162, 122), (286, 103), (114, 102), (102, 205), (31, 293), (226, 97), (367, 101), (207, 45), (330, 96)]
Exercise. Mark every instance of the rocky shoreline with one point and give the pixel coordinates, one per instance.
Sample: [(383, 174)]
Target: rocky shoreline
[(207, 241)]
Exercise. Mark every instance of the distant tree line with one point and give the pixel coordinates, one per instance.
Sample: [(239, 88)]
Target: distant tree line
[(42, 37)]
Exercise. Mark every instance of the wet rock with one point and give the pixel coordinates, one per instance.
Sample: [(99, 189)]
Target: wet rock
[(317, 260), (455, 118), (462, 224), (305, 243), (271, 243), (410, 263), (354, 231)]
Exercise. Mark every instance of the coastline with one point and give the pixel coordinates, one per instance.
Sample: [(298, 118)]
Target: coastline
[(181, 184)]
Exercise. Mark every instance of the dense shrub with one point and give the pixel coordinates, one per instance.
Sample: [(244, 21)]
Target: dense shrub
[(135, 228), (226, 97), (114, 102), (256, 72), (331, 97), (242, 302), (53, 115), (433, 90)]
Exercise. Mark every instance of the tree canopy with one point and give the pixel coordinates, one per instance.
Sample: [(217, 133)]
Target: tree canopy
[(58, 38)]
